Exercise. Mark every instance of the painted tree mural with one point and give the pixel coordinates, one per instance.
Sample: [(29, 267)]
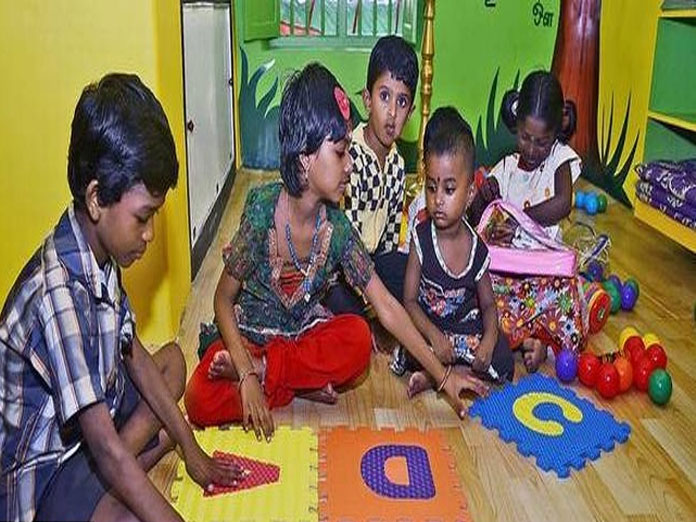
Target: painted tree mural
[(576, 65)]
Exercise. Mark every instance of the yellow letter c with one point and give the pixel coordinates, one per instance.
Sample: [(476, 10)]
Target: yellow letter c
[(524, 406)]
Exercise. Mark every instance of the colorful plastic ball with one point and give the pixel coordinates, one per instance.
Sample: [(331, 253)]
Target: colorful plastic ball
[(634, 349), (591, 203), (641, 373), (660, 387), (579, 199), (615, 296), (625, 369), (595, 271), (614, 279), (627, 332), (649, 339), (632, 282), (566, 366), (657, 355), (601, 203), (628, 297), (608, 381), (588, 367)]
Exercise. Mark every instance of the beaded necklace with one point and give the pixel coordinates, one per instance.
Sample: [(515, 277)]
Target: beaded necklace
[(306, 283)]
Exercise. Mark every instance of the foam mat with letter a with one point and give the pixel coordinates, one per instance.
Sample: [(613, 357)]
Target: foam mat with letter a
[(292, 497)]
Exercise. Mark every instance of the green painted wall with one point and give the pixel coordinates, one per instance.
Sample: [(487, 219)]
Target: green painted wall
[(472, 42)]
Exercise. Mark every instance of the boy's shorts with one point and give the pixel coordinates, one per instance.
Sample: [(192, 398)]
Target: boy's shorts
[(78, 486)]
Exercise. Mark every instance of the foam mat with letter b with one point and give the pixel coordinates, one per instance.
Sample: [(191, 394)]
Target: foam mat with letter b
[(290, 497)]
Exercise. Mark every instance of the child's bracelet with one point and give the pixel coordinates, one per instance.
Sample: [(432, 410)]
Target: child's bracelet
[(246, 374), (444, 379)]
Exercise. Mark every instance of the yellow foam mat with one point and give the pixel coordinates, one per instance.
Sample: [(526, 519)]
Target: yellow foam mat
[(292, 498)]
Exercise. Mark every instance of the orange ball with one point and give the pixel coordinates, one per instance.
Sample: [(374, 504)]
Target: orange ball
[(625, 369)]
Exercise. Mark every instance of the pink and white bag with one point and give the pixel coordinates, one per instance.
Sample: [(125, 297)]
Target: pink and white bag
[(527, 250)]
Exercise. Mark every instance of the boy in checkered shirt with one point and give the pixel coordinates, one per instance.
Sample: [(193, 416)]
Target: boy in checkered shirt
[(85, 410), (374, 197)]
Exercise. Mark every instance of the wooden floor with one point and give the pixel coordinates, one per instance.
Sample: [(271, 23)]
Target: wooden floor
[(650, 478)]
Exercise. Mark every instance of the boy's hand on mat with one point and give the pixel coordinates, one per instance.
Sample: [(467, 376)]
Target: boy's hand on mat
[(207, 471), (461, 379), (483, 358), (490, 190), (256, 413), (442, 348)]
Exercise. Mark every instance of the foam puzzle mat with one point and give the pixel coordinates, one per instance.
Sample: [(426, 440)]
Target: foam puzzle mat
[(387, 475), (550, 423), (283, 479)]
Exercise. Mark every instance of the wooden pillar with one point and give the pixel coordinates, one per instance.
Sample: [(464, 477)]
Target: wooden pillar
[(427, 52)]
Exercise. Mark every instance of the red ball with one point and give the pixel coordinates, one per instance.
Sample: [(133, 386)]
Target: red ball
[(657, 355), (588, 368), (641, 373), (608, 381), (634, 348)]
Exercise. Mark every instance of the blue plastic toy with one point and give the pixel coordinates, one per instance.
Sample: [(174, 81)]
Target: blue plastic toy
[(579, 199), (550, 422), (591, 203)]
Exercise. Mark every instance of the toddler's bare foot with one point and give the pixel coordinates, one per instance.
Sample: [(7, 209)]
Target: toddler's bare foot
[(418, 382), (326, 395), (534, 353)]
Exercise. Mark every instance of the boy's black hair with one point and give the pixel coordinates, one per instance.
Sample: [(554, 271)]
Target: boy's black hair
[(541, 96), (309, 113), (120, 137), (448, 133), (393, 54)]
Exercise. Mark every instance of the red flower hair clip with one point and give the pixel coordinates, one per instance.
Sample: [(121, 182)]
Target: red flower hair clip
[(343, 103)]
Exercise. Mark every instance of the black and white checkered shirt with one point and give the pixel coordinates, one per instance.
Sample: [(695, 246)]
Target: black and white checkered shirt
[(374, 199)]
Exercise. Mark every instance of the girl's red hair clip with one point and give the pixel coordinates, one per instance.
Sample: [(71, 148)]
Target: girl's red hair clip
[(343, 103)]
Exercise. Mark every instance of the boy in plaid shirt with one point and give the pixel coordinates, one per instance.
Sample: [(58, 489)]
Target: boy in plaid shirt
[(374, 197), (85, 410)]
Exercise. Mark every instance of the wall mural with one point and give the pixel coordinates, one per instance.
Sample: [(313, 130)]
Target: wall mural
[(498, 141), (576, 64), (258, 122)]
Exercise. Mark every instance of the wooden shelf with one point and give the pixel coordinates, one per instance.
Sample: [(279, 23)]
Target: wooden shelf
[(678, 13), (664, 224), (683, 121)]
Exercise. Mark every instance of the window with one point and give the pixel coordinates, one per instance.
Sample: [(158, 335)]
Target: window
[(336, 23), (342, 18)]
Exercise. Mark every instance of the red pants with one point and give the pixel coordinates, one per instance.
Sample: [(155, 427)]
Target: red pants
[(336, 352)]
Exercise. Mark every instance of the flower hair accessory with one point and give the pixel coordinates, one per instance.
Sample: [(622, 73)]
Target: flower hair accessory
[(343, 103)]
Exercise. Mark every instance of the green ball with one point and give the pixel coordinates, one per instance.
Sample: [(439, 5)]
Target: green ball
[(660, 386), (615, 295), (632, 282), (601, 203)]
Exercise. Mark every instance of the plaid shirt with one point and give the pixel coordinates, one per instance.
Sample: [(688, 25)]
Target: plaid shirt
[(62, 331), (374, 198)]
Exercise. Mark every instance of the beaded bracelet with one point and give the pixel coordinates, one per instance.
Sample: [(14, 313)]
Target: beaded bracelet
[(444, 379), (244, 375)]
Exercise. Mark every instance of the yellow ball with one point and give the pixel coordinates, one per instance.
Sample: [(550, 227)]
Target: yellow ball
[(627, 333), (649, 339)]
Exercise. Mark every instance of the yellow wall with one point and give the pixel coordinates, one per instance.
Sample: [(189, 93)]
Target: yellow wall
[(628, 29), (51, 50)]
